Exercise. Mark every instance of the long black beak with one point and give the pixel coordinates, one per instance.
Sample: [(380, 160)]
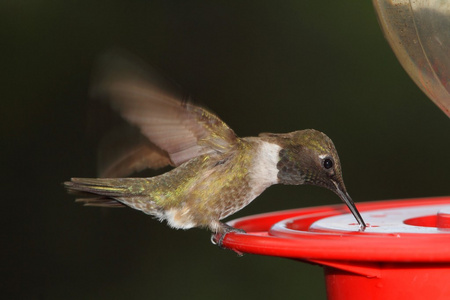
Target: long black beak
[(351, 205)]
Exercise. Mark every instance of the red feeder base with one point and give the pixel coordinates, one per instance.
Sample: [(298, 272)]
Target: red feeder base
[(394, 281)]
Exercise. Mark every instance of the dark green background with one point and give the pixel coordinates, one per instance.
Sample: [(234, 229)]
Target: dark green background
[(274, 66)]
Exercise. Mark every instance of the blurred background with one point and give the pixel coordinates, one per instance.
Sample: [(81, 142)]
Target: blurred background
[(262, 67)]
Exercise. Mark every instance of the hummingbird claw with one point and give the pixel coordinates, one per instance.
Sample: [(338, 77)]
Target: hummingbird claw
[(225, 230)]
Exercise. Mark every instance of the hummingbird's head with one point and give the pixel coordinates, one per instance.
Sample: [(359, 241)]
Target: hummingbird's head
[(309, 157)]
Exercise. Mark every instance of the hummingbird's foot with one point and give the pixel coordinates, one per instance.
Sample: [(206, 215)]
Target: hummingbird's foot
[(225, 229)]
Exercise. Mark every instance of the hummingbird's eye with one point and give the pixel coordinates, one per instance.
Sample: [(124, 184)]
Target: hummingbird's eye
[(327, 163)]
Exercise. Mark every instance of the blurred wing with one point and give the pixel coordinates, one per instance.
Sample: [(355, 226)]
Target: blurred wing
[(125, 151), (155, 106)]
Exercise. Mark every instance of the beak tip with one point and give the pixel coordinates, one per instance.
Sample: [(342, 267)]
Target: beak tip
[(351, 205), (341, 191), (362, 225)]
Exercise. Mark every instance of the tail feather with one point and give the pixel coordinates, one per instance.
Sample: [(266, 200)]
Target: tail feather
[(100, 186), (114, 192), (100, 202), (105, 190)]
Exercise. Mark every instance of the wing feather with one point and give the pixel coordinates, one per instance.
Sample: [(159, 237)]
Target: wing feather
[(125, 151), (156, 107)]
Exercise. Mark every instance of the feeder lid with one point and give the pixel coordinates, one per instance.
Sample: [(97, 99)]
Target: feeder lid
[(411, 230)]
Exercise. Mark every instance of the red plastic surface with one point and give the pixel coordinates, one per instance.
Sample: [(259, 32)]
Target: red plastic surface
[(293, 239), (359, 264), (396, 282)]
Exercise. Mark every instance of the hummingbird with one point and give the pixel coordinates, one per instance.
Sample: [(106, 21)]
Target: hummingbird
[(215, 173)]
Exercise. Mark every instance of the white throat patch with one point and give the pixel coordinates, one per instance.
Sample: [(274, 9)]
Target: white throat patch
[(265, 171)]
